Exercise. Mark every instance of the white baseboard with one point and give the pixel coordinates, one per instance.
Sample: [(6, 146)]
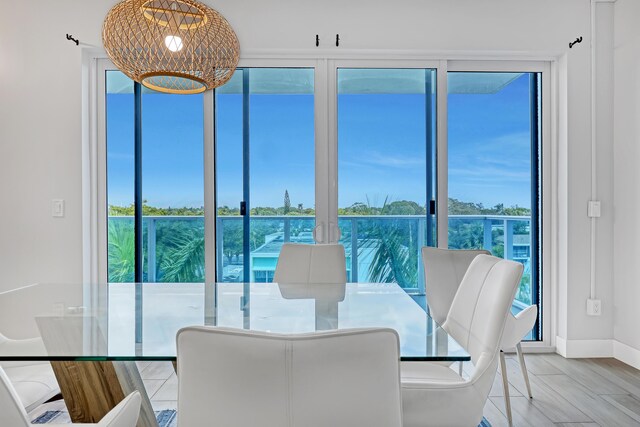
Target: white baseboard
[(584, 348), (626, 354), (561, 346), (574, 349)]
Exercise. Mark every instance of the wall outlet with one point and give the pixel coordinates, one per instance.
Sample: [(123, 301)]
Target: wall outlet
[(57, 208), (594, 307)]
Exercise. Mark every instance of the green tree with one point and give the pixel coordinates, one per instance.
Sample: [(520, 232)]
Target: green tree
[(393, 241), (227, 211), (403, 207), (232, 239), (121, 251), (287, 203), (183, 261)]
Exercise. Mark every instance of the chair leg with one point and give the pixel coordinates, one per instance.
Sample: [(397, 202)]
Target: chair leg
[(505, 385), (525, 374)]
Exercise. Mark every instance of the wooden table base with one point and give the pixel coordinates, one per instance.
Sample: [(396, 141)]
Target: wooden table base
[(91, 389)]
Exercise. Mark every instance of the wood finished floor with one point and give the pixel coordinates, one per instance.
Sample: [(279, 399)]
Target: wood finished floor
[(566, 392)]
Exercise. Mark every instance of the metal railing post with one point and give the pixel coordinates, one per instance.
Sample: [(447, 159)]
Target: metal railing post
[(287, 229), (487, 241), (219, 249), (422, 222), (354, 250), (151, 249), (508, 239)]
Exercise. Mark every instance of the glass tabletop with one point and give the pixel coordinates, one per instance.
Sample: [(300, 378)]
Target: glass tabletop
[(139, 321)]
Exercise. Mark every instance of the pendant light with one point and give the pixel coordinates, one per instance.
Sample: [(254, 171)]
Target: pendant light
[(171, 46)]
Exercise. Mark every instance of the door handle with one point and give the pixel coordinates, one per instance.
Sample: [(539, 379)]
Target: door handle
[(318, 233), (336, 234), (432, 207), (243, 208)]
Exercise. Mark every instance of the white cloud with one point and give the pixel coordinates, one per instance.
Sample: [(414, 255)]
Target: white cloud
[(375, 158)]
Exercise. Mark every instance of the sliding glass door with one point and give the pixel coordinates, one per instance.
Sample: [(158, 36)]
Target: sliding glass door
[(386, 172), (120, 165), (382, 156), (173, 187), (494, 143), (168, 167), (265, 169)]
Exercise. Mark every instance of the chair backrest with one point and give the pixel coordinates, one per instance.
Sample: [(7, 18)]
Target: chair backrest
[(443, 272), (518, 326), (12, 412), (125, 414), (300, 263), (480, 308), (247, 378)]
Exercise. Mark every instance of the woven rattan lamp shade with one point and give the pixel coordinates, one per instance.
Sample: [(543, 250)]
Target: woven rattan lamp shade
[(172, 46)]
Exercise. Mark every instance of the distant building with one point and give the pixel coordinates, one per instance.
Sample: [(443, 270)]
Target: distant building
[(264, 258)]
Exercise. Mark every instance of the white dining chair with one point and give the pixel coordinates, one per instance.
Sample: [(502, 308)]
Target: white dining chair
[(33, 381), (302, 263), (340, 378), (516, 329), (444, 270), (435, 395), (12, 413)]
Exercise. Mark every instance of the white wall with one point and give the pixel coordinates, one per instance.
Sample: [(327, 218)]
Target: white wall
[(626, 175), (587, 336), (40, 138), (40, 111)]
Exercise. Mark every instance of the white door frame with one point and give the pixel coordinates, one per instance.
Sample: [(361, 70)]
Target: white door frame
[(320, 131), (325, 65), (332, 72), (545, 174)]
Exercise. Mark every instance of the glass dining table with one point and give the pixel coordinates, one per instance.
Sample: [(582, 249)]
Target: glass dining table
[(92, 335)]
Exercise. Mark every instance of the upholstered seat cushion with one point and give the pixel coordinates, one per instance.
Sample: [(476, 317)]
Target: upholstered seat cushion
[(34, 384), (421, 372), (433, 394)]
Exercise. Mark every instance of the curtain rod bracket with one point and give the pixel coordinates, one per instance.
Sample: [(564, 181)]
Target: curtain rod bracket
[(70, 37), (578, 40)]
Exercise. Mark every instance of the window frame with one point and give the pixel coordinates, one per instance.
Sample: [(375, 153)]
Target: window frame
[(546, 160), (325, 66)]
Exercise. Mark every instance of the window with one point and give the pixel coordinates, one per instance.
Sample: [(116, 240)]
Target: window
[(365, 153), (171, 175), (265, 165), (120, 131), (386, 164), (494, 130)]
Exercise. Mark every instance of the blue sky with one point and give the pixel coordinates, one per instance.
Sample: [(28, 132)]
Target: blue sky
[(381, 139), (172, 150), (282, 149), (489, 146)]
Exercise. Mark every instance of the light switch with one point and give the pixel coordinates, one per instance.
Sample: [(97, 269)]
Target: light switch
[(593, 210), (57, 208)]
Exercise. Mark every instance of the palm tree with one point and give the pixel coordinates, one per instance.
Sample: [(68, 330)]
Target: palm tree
[(395, 257), (183, 258), (121, 252)]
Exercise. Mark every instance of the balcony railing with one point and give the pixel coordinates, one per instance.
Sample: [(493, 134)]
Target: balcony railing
[(504, 236)]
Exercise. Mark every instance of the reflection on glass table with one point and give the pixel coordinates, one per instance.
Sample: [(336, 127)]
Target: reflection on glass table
[(72, 328)]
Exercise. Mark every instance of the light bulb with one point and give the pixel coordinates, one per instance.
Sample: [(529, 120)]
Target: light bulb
[(173, 43)]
